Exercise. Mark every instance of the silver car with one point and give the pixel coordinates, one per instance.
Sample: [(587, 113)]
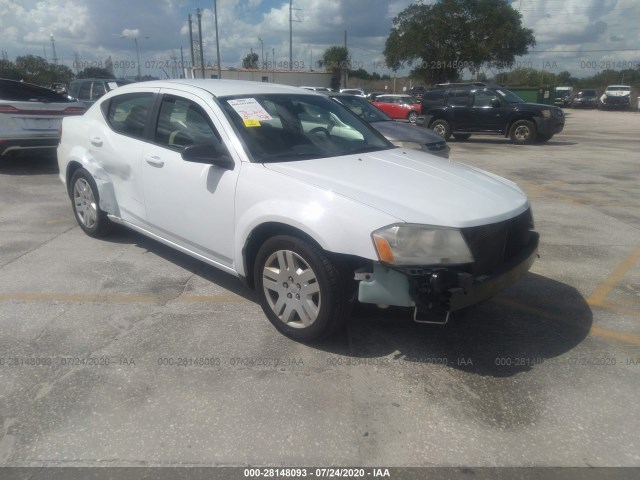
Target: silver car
[(401, 134), (31, 116)]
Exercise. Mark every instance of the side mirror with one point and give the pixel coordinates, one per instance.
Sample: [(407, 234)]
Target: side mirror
[(208, 153), (495, 103)]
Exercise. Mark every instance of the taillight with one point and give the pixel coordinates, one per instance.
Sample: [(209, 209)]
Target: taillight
[(74, 110), (8, 109)]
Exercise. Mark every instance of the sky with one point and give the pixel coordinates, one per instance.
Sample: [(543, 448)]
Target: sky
[(581, 36)]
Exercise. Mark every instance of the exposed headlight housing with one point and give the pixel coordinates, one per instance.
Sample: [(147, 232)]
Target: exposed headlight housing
[(409, 244), (545, 113)]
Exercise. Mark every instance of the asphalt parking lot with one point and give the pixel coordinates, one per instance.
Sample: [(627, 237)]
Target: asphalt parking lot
[(123, 352)]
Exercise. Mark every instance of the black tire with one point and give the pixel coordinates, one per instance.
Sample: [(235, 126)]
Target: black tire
[(442, 128), (85, 202), (543, 138), (308, 275), (412, 117), (462, 136), (523, 132)]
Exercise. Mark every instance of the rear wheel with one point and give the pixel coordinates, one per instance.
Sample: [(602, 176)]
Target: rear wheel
[(523, 132), (302, 292), (442, 128), (462, 136), (85, 201), (412, 117)]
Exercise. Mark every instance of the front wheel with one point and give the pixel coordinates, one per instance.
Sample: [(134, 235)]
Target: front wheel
[(523, 132), (85, 201), (301, 291), (442, 128)]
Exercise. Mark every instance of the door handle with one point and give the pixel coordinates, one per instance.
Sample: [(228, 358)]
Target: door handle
[(155, 161), (97, 141)]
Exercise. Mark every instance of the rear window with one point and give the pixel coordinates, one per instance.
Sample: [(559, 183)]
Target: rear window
[(26, 92)]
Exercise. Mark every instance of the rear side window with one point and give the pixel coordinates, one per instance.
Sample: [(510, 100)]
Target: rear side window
[(85, 91), (26, 92), (459, 97), (97, 91), (433, 97), (128, 113)]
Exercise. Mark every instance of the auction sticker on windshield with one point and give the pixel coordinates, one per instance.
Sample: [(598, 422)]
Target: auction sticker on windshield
[(250, 111)]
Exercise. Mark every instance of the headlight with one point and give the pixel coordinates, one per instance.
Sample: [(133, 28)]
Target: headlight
[(413, 145), (408, 244), (545, 113)]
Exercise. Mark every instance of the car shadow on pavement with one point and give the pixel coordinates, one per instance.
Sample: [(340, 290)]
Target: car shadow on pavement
[(23, 164), (225, 280), (532, 322)]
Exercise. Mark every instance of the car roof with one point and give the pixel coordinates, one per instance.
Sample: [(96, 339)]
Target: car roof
[(220, 87)]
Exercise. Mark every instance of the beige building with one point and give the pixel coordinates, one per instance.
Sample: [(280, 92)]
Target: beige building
[(295, 78)]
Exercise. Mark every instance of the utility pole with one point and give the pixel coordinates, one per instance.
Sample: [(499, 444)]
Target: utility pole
[(199, 15), (291, 20), (262, 53), (182, 75), (346, 67), (53, 44), (193, 58), (215, 15)]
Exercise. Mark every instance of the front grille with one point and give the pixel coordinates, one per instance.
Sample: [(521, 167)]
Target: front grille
[(495, 244)]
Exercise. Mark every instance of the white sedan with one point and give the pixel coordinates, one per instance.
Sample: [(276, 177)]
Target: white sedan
[(296, 195)]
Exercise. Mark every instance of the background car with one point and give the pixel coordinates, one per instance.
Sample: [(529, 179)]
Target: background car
[(616, 96), (403, 107), (464, 109), (398, 133), (318, 89), (30, 116), (585, 98), (320, 218), (88, 90), (354, 91), (371, 96)]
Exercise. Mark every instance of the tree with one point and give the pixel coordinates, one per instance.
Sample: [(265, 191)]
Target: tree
[(250, 61), (335, 60), (443, 39)]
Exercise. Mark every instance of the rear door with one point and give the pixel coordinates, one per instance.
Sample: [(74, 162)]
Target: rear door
[(458, 104), (118, 146)]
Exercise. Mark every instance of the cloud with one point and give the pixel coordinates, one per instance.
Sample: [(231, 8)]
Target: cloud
[(565, 31)]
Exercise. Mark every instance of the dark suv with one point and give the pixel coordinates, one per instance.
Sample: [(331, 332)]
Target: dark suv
[(462, 109), (88, 90)]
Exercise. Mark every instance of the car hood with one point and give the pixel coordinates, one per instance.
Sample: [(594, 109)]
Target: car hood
[(404, 132), (413, 186)]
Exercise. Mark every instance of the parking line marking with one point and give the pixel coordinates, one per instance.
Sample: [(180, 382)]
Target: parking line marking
[(600, 293), (117, 298)]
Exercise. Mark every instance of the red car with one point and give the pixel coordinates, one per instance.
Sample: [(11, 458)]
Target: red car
[(399, 106)]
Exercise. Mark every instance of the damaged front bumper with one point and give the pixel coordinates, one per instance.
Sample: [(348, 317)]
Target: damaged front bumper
[(441, 289)]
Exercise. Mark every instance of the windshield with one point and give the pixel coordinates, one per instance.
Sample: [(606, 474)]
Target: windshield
[(363, 109), (285, 127), (618, 89), (509, 96)]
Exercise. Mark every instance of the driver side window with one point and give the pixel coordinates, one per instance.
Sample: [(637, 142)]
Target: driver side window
[(182, 122)]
